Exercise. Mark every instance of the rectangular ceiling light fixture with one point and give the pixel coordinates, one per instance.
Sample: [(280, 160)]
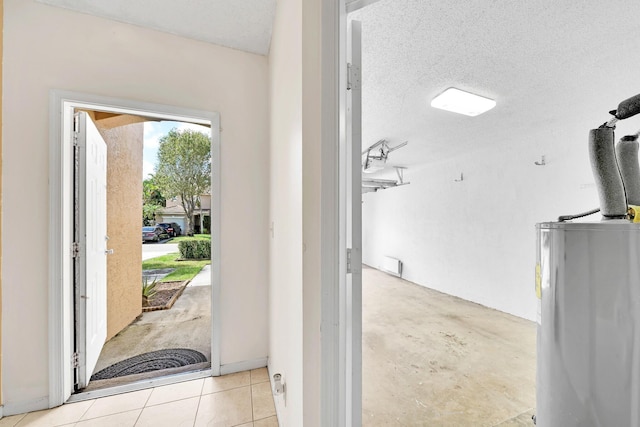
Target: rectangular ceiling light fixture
[(459, 101)]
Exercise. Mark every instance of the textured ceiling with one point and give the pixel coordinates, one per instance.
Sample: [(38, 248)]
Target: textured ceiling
[(543, 61), (547, 63), (239, 24)]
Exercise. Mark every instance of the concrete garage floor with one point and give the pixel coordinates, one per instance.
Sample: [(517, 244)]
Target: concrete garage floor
[(185, 325), (430, 359)]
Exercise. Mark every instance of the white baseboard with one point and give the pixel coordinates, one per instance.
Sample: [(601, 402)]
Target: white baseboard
[(232, 368), (14, 408)]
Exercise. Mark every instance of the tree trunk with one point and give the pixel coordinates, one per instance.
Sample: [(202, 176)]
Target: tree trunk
[(188, 206)]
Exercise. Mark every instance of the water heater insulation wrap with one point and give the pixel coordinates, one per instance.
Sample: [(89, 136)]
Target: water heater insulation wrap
[(627, 155), (613, 201), (588, 364)]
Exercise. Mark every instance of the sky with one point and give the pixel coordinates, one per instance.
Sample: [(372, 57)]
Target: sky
[(153, 131)]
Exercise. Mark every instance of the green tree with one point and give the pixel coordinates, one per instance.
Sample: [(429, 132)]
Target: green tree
[(152, 200), (151, 191), (184, 168)]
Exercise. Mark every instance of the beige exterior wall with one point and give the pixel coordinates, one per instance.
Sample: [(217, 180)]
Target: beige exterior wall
[(205, 201), (124, 219)]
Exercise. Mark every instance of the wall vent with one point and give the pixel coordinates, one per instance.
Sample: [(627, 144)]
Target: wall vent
[(392, 266)]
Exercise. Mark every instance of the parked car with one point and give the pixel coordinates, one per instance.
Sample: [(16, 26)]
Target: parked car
[(172, 228), (153, 233)]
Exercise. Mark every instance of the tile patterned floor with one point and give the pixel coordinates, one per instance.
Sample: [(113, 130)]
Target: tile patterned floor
[(243, 399)]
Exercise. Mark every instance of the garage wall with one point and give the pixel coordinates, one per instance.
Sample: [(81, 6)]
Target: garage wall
[(475, 239), (46, 48)]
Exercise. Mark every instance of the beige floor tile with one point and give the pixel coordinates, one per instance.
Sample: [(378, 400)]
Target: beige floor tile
[(266, 422), (65, 414), (259, 375), (11, 420), (226, 408), (247, 425), (179, 391), (262, 398), (118, 403), (180, 413), (226, 382), (123, 419)]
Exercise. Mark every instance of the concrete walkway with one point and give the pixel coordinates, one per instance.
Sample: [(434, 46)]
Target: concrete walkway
[(203, 278), (185, 325)]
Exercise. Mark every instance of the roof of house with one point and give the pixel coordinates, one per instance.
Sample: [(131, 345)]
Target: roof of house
[(178, 210)]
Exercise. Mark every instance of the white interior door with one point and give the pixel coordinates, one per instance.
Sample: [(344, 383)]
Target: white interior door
[(91, 286), (354, 230)]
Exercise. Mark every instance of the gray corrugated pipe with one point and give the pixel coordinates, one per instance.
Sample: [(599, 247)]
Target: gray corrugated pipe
[(613, 200), (627, 153), (604, 163), (607, 172)]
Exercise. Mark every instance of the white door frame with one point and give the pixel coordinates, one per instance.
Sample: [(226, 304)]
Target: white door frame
[(61, 106), (353, 234), (91, 221), (338, 370)]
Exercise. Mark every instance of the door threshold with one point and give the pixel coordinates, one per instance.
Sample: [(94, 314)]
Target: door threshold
[(140, 385)]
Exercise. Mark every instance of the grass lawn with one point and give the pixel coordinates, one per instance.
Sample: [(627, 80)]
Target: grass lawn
[(194, 237), (185, 270)]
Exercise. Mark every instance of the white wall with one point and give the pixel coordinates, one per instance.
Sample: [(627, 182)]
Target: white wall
[(476, 239), (46, 48), (285, 295), (303, 205)]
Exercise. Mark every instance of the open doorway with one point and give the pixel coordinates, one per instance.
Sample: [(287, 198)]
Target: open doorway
[(433, 354), (78, 309), (163, 326)]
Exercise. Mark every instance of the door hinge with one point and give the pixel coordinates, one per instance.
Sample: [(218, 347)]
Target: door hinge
[(348, 260), (75, 360), (353, 77), (75, 250), (76, 128)]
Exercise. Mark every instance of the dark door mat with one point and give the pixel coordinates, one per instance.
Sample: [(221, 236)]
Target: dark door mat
[(152, 361)]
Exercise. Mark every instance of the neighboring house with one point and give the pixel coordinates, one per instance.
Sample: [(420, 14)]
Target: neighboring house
[(174, 212)]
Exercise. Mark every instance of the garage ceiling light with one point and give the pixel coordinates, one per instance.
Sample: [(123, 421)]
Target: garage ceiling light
[(459, 101)]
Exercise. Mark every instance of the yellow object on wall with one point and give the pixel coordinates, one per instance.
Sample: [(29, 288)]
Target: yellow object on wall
[(634, 213)]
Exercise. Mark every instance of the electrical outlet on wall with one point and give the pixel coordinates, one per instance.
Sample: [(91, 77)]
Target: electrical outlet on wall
[(280, 388)]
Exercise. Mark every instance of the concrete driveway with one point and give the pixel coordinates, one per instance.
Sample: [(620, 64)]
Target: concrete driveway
[(152, 250)]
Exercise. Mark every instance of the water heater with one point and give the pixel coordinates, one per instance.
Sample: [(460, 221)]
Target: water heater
[(588, 288)]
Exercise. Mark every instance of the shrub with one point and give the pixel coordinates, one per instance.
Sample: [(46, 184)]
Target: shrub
[(195, 249), (148, 290)]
